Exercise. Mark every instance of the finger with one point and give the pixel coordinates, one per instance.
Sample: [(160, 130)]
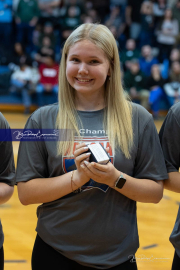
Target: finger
[(100, 167), (107, 149), (86, 170), (80, 145), (80, 151), (82, 157), (94, 170)]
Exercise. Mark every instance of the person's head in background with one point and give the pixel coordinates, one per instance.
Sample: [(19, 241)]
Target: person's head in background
[(168, 14), (155, 71), (147, 8), (130, 45), (146, 51), (48, 28), (134, 66), (175, 55)]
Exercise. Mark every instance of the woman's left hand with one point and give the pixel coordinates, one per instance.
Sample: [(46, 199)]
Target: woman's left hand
[(105, 174)]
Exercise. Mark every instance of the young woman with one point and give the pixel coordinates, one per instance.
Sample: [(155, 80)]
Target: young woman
[(7, 175), (171, 149), (87, 219)]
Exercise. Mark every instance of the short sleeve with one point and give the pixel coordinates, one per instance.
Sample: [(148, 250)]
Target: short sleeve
[(170, 142), (7, 168), (150, 163), (32, 157)]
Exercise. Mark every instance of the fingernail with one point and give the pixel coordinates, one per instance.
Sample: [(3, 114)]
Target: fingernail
[(86, 162), (86, 148), (88, 154), (82, 166)]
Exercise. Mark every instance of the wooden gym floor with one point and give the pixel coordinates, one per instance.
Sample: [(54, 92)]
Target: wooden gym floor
[(155, 224)]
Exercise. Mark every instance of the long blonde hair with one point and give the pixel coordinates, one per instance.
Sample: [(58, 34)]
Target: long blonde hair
[(118, 110)]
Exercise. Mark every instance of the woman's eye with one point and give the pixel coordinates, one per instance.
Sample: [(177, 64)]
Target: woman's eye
[(94, 61), (75, 60)]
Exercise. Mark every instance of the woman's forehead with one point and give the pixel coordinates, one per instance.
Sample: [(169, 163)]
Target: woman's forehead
[(86, 48)]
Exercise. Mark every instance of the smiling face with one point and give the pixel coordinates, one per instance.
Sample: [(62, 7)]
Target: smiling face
[(87, 68)]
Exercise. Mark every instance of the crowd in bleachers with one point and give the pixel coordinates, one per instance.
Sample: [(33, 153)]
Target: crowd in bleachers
[(32, 34)]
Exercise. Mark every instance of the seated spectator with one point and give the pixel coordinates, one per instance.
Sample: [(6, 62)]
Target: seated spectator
[(46, 50), (176, 11), (70, 22), (102, 8), (6, 23), (133, 18), (48, 84), (23, 82), (172, 89), (147, 24), (159, 8), (93, 14), (155, 83), (49, 11), (134, 82), (147, 60), (167, 32), (48, 31), (174, 55), (19, 56), (114, 18), (26, 17), (130, 52)]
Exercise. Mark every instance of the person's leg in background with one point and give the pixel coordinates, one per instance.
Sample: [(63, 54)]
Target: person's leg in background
[(40, 94), (144, 97), (154, 100)]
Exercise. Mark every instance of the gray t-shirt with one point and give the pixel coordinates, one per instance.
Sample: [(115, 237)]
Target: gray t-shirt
[(97, 227), (7, 169), (170, 141)]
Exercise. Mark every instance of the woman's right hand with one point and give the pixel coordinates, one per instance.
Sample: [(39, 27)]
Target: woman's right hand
[(80, 155)]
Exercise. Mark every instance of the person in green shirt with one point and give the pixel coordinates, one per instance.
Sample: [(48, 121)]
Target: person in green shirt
[(134, 83), (26, 17)]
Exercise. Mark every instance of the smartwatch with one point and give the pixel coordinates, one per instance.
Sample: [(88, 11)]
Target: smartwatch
[(120, 181)]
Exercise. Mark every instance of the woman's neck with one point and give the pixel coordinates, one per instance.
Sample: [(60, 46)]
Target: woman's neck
[(84, 102)]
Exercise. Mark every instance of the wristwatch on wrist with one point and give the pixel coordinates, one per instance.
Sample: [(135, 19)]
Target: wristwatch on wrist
[(120, 181)]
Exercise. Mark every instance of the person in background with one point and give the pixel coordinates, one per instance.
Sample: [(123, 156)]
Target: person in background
[(46, 50), (7, 174), (159, 7), (130, 52), (133, 18), (70, 21), (134, 82), (26, 17), (166, 32), (49, 11), (155, 84), (172, 88), (147, 24), (23, 82), (147, 60), (169, 138), (48, 83), (6, 23)]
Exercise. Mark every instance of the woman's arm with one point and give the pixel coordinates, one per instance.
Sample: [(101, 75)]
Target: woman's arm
[(6, 192), (141, 190), (43, 190)]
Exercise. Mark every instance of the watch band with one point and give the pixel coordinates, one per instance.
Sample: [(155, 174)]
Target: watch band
[(120, 181)]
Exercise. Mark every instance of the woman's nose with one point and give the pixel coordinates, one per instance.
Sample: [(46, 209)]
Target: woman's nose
[(83, 69)]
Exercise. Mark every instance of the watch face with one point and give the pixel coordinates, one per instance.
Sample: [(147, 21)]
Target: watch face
[(121, 182)]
